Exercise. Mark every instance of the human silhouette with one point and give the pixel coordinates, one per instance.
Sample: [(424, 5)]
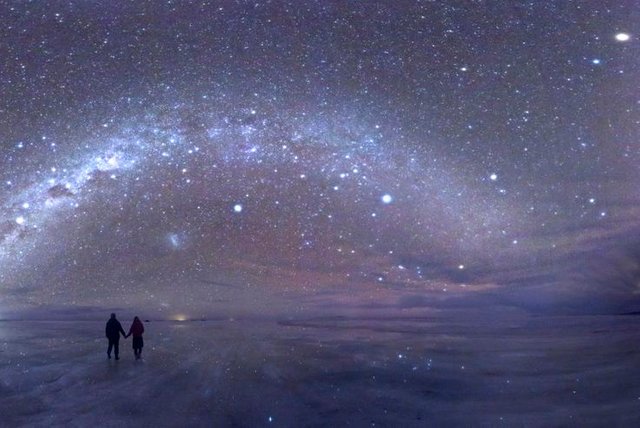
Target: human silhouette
[(113, 331), (137, 328)]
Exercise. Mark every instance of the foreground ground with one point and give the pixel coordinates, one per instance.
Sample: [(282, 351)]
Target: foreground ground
[(367, 371)]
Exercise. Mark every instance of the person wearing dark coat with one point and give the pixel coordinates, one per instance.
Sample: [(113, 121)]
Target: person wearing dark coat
[(137, 328), (113, 331)]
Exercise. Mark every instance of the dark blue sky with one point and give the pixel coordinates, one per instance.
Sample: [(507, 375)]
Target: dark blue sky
[(195, 157)]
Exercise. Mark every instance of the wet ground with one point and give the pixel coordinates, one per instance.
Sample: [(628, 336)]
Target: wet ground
[(338, 371)]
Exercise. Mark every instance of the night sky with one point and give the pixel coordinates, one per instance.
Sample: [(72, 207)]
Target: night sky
[(193, 158)]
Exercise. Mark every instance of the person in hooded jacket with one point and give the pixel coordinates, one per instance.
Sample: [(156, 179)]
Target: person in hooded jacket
[(137, 328), (113, 331)]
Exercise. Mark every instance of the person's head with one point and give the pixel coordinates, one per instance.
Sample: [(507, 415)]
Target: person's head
[(113, 316), (136, 319)]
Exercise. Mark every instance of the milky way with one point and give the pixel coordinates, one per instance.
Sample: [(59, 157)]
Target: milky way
[(198, 157)]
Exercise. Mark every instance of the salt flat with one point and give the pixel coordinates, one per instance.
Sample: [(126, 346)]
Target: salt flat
[(332, 371)]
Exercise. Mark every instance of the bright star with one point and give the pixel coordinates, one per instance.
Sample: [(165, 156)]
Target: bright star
[(20, 220), (386, 198), (622, 37), (493, 176), (237, 208)]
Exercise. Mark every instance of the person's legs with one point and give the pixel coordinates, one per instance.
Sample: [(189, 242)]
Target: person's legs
[(116, 346), (109, 349), (137, 347)]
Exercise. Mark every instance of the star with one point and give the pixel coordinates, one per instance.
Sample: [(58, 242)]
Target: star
[(622, 37)]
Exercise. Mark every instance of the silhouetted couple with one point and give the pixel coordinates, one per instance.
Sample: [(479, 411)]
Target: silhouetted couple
[(114, 330)]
